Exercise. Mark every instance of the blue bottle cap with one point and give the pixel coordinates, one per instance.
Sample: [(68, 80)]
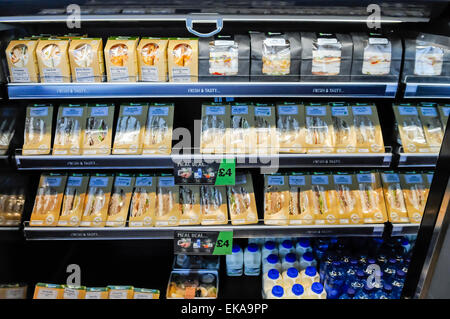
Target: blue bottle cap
[(351, 292), (310, 271), (360, 273), (292, 272), (400, 273), (387, 287), (304, 242), (277, 291), (290, 258), (269, 245), (371, 261), (235, 248), (317, 287), (252, 248), (273, 274), (392, 260), (334, 294), (308, 256), (353, 262), (405, 241), (367, 288), (287, 244), (297, 289), (336, 263), (333, 240), (272, 259)]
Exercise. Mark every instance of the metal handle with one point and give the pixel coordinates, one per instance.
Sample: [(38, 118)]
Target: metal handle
[(191, 21)]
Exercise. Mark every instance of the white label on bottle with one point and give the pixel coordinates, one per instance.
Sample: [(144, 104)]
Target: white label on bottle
[(181, 74), (119, 74), (122, 181), (263, 111), (215, 110), (316, 110), (132, 110), (52, 181), (143, 181), (118, 294), (99, 111), (428, 111), (15, 293), (407, 110), (72, 111), (339, 111), (240, 179), (84, 74), (297, 180), (365, 178), (70, 293), (413, 178), (224, 42), (391, 178), (39, 111), (74, 181), (166, 181), (53, 75), (20, 75), (362, 110), (149, 73), (342, 179), (239, 109), (46, 293), (93, 295), (275, 42), (275, 180), (98, 181), (378, 41), (319, 180), (159, 111), (322, 41), (288, 110)]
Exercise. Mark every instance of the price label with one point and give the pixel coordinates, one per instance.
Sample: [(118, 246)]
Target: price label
[(224, 243), (226, 174), (203, 242)]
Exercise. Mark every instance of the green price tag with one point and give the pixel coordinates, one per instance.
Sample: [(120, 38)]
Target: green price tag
[(224, 243), (227, 172)]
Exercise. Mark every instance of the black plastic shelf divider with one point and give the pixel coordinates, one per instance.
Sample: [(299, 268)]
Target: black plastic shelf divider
[(201, 89), (10, 233), (404, 229), (427, 91), (417, 159)]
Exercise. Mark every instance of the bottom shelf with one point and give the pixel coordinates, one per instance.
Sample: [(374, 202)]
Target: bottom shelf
[(10, 233)]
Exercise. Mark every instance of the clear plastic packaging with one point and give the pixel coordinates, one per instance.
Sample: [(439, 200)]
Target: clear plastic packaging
[(326, 57), (193, 284), (276, 56), (223, 57)]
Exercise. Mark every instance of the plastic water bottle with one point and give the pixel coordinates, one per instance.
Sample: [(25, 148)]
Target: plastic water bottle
[(324, 264), (235, 261), (321, 252), (279, 240), (334, 278), (390, 269), (333, 294), (257, 241), (349, 294), (252, 260), (269, 247), (290, 260), (367, 269), (316, 291), (296, 292), (277, 292), (397, 284), (285, 248), (271, 262), (307, 260), (303, 245), (365, 293), (382, 260), (357, 282), (270, 279), (384, 293), (309, 276), (290, 276)]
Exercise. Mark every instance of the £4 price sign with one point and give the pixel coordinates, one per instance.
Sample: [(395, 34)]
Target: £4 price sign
[(224, 243)]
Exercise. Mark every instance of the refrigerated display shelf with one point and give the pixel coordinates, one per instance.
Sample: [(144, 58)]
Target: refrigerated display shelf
[(201, 89), (51, 162), (240, 231), (427, 91)]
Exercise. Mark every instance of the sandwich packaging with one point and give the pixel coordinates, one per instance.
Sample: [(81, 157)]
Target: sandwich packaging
[(158, 129), (7, 128), (213, 201), (48, 291), (300, 199), (74, 200), (144, 293), (143, 202), (190, 205), (74, 292), (241, 201), (119, 203), (13, 291), (343, 127), (291, 127), (22, 61), (415, 193), (96, 206), (86, 60), (12, 201), (38, 130), (369, 138), (152, 59), (319, 129), (97, 138), (121, 292), (275, 56), (69, 131), (97, 293), (182, 55), (53, 60), (121, 59), (266, 129), (348, 206), (241, 135), (432, 125), (130, 129), (395, 201), (276, 200), (49, 196), (168, 209), (215, 127), (370, 197), (444, 111), (324, 199), (224, 58)]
